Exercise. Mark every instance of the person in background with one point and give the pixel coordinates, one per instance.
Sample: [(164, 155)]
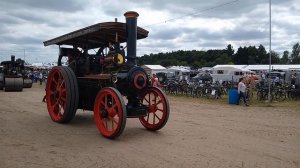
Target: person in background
[(276, 81), (154, 81), (293, 79), (242, 91), (252, 84), (41, 78), (263, 76)]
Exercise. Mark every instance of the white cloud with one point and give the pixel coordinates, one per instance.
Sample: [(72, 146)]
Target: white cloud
[(26, 24)]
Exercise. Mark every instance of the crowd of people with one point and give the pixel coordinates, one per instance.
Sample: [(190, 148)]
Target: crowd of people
[(248, 84), (249, 87), (38, 76)]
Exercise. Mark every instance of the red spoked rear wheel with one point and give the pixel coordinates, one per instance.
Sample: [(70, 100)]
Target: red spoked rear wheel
[(110, 112), (62, 94), (158, 109)]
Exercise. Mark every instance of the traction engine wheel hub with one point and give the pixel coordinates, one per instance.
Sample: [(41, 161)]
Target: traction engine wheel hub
[(104, 113), (140, 81), (153, 108)]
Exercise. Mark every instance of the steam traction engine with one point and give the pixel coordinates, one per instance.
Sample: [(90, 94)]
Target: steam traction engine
[(11, 78), (106, 82)]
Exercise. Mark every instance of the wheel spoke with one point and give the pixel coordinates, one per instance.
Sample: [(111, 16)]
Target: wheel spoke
[(148, 117), (63, 90), (106, 123), (159, 101), (112, 124), (59, 114), (157, 117), (56, 108), (56, 103), (113, 108), (154, 100), (62, 102), (160, 109), (105, 101), (153, 118), (115, 121), (63, 99), (147, 100), (55, 81), (61, 84)]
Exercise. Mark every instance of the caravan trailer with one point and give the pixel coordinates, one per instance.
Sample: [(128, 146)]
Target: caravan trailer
[(180, 73), (228, 73)]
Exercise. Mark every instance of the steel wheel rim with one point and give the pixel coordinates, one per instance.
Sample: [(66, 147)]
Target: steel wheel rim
[(157, 112), (56, 95), (108, 113)]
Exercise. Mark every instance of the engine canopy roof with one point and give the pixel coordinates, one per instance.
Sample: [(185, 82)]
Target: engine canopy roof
[(96, 36)]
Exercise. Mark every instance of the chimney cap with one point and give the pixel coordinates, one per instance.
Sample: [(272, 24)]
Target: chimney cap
[(131, 14)]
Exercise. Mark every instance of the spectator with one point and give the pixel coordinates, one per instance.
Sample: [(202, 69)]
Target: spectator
[(276, 81), (242, 91), (293, 79), (252, 84), (41, 78), (154, 81), (263, 76)]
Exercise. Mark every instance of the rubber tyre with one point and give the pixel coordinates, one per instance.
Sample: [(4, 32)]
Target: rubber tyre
[(62, 94)]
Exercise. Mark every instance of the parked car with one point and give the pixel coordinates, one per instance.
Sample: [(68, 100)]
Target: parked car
[(202, 77)]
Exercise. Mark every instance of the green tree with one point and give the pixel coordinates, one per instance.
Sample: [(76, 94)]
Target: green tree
[(285, 58), (223, 59), (229, 50), (252, 55), (241, 56), (275, 57), (262, 56), (295, 55)]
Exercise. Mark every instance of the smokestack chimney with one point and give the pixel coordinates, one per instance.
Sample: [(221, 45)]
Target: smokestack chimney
[(131, 30), (12, 59)]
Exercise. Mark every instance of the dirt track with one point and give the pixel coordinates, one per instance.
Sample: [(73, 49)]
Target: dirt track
[(198, 134)]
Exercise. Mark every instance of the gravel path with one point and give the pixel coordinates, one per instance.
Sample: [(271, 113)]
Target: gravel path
[(198, 134)]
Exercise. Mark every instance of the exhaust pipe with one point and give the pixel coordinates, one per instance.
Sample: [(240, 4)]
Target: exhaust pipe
[(131, 33)]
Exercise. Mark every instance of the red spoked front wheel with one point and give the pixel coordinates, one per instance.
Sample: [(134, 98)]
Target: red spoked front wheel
[(62, 94), (110, 112), (158, 109)]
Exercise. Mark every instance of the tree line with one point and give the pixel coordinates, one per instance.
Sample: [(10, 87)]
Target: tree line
[(244, 55)]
